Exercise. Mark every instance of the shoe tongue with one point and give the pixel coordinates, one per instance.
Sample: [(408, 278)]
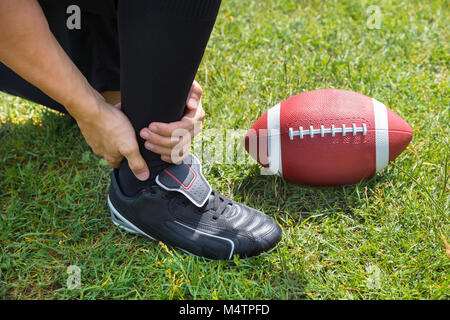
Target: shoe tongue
[(186, 178)]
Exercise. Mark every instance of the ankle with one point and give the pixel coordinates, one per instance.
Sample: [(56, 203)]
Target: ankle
[(128, 182)]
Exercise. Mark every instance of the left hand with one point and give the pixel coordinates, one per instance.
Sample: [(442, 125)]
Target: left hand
[(163, 138)]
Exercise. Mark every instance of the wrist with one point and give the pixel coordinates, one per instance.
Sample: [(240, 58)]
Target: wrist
[(85, 107)]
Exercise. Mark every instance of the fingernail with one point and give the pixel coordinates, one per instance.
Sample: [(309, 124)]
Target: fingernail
[(145, 135), (143, 176), (193, 103), (154, 128), (150, 146)]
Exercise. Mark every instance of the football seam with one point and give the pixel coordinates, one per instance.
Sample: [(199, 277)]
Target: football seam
[(308, 121)]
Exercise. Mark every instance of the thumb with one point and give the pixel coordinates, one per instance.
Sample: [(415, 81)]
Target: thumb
[(194, 96), (137, 164)]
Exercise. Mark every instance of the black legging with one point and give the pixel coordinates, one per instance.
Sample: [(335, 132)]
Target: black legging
[(161, 45)]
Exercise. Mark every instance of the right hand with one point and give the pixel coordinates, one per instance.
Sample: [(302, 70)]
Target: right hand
[(110, 135), (172, 140)]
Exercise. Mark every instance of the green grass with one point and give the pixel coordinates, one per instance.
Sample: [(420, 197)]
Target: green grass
[(380, 239)]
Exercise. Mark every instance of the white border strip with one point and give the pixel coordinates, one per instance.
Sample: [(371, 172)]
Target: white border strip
[(381, 134), (274, 140)]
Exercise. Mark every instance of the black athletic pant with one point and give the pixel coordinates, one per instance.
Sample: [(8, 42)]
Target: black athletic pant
[(160, 44)]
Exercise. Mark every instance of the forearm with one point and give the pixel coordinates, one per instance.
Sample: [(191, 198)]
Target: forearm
[(28, 47)]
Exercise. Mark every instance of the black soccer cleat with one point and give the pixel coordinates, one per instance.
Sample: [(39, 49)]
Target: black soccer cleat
[(183, 211)]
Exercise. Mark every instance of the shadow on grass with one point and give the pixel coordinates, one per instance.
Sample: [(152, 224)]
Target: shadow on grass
[(284, 200), (48, 167), (38, 134), (291, 205)]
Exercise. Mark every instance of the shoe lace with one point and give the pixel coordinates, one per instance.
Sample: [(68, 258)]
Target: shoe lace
[(218, 204)]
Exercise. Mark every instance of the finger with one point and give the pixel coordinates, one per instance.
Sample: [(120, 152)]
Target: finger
[(192, 119), (154, 139), (201, 114), (167, 129), (113, 161), (166, 159), (113, 164), (195, 132), (117, 161), (136, 163), (194, 97), (110, 164), (168, 142), (157, 149), (197, 114), (196, 86), (166, 151), (180, 154)]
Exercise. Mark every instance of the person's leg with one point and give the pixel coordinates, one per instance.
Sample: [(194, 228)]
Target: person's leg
[(161, 45)]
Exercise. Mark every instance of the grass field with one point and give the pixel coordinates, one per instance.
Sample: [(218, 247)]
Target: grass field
[(380, 239)]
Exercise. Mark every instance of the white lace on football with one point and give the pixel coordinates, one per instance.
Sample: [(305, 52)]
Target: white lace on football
[(322, 131)]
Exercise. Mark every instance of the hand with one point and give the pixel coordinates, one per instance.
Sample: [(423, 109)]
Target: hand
[(111, 136), (173, 140)]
